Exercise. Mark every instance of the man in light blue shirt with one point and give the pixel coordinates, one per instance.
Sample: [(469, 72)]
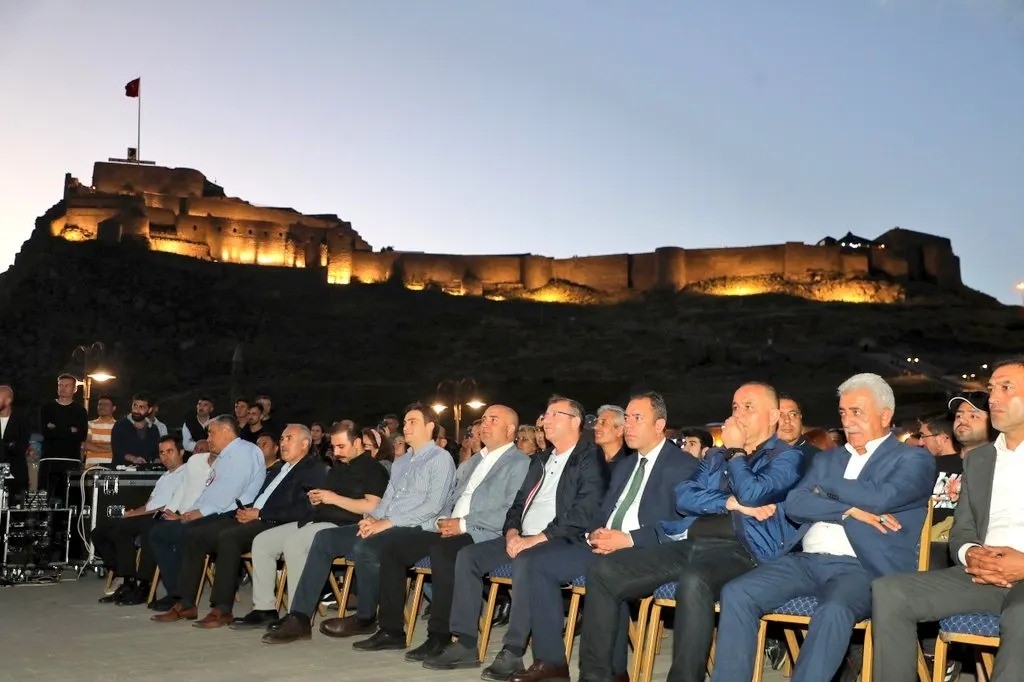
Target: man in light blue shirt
[(237, 474), (420, 486)]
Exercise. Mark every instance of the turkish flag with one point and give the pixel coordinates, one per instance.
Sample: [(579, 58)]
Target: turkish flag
[(132, 88)]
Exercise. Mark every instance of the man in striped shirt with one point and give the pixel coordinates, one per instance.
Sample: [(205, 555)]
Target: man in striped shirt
[(97, 437)]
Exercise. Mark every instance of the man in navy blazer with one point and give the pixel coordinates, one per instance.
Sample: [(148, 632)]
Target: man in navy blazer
[(641, 494), (729, 517), (861, 508)]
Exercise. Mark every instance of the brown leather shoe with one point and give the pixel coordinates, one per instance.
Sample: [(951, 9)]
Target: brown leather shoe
[(346, 627), (177, 613), (540, 671), (293, 628), (214, 619)]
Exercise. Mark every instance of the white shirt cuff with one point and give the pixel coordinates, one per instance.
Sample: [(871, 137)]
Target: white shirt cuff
[(462, 525), (962, 553)]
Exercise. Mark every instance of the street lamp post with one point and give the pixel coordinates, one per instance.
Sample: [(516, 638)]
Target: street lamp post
[(91, 359), (463, 393)]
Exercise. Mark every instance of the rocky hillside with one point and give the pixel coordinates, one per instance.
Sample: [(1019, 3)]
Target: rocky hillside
[(172, 325)]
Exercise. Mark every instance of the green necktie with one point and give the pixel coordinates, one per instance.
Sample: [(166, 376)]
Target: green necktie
[(631, 493)]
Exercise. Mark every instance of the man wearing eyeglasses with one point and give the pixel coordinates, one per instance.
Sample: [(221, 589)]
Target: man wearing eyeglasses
[(562, 491), (937, 438), (791, 428)]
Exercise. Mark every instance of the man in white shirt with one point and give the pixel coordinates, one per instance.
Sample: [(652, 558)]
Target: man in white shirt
[(556, 502), (987, 542), (485, 486), (115, 541)]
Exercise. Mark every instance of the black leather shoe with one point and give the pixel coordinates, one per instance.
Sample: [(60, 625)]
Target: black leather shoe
[(276, 624), (381, 641), (135, 596), (505, 665), (122, 590), (293, 628), (502, 611), (254, 620), (432, 647), (454, 656), (163, 603)]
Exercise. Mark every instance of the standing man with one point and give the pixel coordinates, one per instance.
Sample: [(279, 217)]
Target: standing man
[(133, 439), (97, 446), (556, 503), (154, 417), (420, 484), (64, 423), (115, 540), (608, 434), (15, 432), (485, 486), (194, 428), (986, 541), (861, 508), (254, 427), (354, 486), (237, 474), (640, 496)]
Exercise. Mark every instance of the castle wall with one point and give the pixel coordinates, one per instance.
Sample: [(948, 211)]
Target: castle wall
[(644, 271), (536, 271), (372, 267), (495, 269), (670, 268), (750, 261), (801, 258), (604, 273), (889, 263), (131, 178)]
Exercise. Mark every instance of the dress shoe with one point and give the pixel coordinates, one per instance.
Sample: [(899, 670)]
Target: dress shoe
[(163, 603), (214, 619), (539, 671), (505, 665), (347, 627), (381, 640), (122, 589), (454, 655), (276, 624), (432, 647), (293, 628), (135, 596), (255, 619), (502, 611), (177, 613)]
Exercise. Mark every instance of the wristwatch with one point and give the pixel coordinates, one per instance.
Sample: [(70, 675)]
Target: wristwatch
[(732, 452)]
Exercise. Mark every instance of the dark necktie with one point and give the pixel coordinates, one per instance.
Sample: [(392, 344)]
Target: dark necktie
[(631, 492)]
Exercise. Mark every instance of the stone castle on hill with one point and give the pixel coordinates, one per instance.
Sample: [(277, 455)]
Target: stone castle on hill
[(177, 210)]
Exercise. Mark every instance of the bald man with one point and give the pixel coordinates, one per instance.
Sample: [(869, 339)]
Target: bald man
[(485, 486), (14, 436)]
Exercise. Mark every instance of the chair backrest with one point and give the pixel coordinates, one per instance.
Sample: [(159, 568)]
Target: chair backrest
[(924, 550)]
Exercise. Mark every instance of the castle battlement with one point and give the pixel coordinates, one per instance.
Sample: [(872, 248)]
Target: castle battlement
[(178, 210)]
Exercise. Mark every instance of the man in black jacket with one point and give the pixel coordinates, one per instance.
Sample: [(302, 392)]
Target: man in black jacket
[(556, 502), (64, 423), (15, 431), (282, 499)]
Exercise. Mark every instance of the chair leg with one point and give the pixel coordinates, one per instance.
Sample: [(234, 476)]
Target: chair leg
[(570, 623), (485, 623), (988, 662), (792, 644), (711, 652), (637, 634), (110, 580), (202, 580), (282, 587), (650, 648), (346, 589), (152, 586), (869, 656), (923, 674), (939, 665), (762, 635), (413, 608)]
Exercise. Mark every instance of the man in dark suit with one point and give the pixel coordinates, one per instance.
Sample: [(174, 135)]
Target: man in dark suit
[(15, 432), (282, 499), (732, 518), (986, 541), (641, 493), (555, 504), (861, 508)]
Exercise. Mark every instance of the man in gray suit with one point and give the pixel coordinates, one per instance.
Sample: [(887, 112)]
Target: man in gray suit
[(485, 486), (987, 543)]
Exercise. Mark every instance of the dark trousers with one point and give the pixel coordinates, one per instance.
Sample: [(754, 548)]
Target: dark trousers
[(901, 601), (843, 589), (165, 539), (471, 564), (701, 567), (549, 571), (327, 546), (229, 540), (115, 544), (403, 547)]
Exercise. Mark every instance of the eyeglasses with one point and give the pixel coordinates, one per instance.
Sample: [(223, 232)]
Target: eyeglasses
[(922, 436), (552, 413)]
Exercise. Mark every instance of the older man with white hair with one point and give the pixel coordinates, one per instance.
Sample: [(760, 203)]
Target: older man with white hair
[(860, 510)]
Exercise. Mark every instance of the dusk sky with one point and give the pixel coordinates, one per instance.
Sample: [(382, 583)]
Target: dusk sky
[(558, 128)]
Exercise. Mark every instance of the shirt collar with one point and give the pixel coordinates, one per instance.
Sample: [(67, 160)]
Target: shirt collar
[(497, 452), (869, 447), (653, 454), (1000, 444), (426, 447), (555, 453)]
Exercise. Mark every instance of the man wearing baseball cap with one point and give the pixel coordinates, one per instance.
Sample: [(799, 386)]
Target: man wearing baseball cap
[(971, 426)]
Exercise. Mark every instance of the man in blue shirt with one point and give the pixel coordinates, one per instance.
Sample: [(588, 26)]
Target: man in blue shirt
[(420, 485), (237, 474)]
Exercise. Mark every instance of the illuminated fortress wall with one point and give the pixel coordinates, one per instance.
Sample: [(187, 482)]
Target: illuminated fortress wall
[(177, 210)]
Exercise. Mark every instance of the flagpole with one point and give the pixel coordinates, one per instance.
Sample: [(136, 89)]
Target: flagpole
[(138, 127)]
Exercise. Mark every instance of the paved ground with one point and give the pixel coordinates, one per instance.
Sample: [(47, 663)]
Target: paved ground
[(55, 632)]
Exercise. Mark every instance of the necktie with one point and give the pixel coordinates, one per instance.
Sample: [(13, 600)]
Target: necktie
[(631, 492)]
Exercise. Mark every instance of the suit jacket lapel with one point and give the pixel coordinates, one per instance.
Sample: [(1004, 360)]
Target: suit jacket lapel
[(984, 476)]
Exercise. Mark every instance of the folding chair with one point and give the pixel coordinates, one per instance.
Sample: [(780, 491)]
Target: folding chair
[(421, 569), (502, 575), (643, 658), (975, 629)]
